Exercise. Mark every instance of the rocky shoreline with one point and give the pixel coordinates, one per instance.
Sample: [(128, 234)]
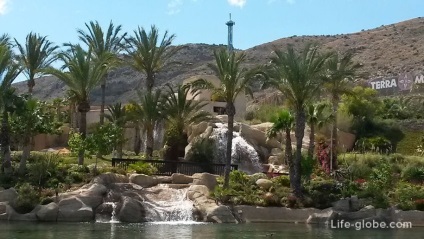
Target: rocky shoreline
[(130, 192)]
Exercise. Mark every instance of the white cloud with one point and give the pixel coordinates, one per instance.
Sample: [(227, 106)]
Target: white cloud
[(237, 3), (174, 6), (3, 6)]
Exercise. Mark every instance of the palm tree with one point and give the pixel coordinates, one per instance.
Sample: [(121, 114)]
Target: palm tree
[(341, 71), (35, 56), (84, 73), (316, 117), (284, 122), (119, 117), (148, 113), (233, 80), (9, 70), (150, 56), (297, 76), (103, 44), (181, 112)]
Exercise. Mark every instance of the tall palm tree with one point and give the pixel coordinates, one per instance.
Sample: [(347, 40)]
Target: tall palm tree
[(9, 70), (119, 117), (316, 118), (297, 76), (84, 73), (181, 112), (233, 80), (149, 54), (148, 112), (284, 122), (36, 55), (103, 44), (341, 71)]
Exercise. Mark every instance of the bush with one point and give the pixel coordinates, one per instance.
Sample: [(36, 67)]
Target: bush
[(408, 196), (142, 168), (42, 168), (202, 152), (413, 172), (323, 192), (283, 181), (28, 198)]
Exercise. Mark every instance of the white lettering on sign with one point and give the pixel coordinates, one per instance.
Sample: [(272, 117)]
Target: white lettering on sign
[(419, 79), (383, 84)]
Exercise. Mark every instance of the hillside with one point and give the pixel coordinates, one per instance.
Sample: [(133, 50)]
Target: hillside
[(383, 51)]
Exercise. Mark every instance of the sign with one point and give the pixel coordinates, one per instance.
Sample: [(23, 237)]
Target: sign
[(391, 85)]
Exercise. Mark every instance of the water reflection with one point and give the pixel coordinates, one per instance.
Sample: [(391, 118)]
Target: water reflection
[(204, 231)]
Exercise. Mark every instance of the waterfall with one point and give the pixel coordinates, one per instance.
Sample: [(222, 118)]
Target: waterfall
[(242, 153), (168, 206), (113, 218)]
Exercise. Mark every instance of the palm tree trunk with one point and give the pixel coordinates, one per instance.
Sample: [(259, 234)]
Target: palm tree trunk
[(6, 166), (149, 142), (25, 154), (31, 85), (230, 113), (137, 139), (83, 132), (334, 135), (102, 106), (150, 81), (289, 156), (311, 148), (299, 133)]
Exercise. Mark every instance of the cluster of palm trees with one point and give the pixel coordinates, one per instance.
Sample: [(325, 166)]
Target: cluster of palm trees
[(299, 76), (302, 77)]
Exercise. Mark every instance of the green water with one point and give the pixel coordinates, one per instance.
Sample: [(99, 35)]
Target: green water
[(201, 231)]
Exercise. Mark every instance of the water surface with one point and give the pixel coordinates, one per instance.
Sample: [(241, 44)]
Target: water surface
[(23, 230)]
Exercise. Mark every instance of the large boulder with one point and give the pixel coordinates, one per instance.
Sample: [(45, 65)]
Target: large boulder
[(131, 211), (110, 178), (74, 210), (178, 178), (48, 213), (144, 180), (254, 135), (265, 184), (350, 204), (207, 179), (207, 208), (196, 129), (8, 195)]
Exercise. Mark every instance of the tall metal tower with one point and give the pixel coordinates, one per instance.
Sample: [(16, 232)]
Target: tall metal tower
[(230, 25)]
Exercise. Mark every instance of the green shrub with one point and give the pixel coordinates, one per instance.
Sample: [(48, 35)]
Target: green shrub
[(409, 144), (42, 168), (307, 166), (323, 192), (374, 144), (358, 170), (407, 196), (413, 172), (142, 168), (28, 198), (266, 112), (283, 181), (202, 151)]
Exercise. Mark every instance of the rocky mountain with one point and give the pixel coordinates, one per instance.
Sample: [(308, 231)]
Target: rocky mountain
[(384, 51)]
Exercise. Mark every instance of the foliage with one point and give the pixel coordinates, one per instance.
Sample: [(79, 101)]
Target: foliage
[(307, 166), (142, 168), (374, 144), (409, 144), (264, 112), (77, 144), (28, 198), (408, 196), (282, 180), (42, 168), (323, 192), (413, 173), (202, 151)]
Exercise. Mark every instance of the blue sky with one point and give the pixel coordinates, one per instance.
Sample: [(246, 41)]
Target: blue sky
[(203, 21)]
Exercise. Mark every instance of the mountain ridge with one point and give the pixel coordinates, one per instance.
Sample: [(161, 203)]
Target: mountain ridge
[(383, 51)]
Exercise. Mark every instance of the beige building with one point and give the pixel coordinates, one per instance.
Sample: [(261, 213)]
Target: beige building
[(214, 105)]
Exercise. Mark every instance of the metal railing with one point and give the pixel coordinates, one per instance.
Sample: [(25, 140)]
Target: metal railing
[(167, 168)]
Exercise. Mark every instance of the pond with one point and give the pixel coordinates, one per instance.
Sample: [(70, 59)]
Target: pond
[(28, 230)]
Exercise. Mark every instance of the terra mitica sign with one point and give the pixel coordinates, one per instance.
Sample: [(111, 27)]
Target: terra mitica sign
[(391, 85)]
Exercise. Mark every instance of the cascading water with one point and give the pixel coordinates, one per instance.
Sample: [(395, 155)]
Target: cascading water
[(113, 218), (242, 153), (168, 205)]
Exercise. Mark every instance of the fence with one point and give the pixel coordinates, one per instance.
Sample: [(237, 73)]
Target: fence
[(167, 168)]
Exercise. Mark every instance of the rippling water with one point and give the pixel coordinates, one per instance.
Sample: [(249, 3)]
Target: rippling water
[(195, 230)]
